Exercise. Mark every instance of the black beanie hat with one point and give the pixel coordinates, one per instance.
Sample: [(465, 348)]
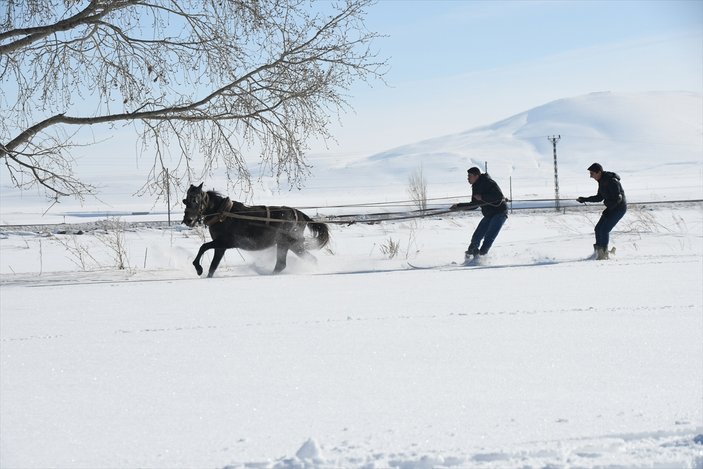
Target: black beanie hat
[(475, 171), (596, 168)]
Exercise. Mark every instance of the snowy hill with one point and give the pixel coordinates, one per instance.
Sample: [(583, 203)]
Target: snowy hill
[(632, 134)]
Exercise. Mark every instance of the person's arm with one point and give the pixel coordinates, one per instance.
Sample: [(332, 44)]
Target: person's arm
[(464, 206), (593, 198)]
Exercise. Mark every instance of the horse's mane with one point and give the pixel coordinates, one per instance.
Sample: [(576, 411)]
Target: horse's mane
[(214, 195)]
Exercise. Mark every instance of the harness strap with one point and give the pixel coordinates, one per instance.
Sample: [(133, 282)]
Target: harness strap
[(222, 212), (225, 208), (225, 211)]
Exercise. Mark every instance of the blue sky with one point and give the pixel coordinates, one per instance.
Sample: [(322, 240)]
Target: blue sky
[(456, 65), (433, 39)]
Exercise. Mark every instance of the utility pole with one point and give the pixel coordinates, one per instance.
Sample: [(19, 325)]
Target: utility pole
[(168, 197), (554, 140)]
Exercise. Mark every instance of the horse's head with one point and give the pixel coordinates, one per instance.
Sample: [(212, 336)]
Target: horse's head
[(196, 203)]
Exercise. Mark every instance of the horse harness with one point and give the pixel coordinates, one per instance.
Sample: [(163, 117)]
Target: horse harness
[(224, 211), (221, 212)]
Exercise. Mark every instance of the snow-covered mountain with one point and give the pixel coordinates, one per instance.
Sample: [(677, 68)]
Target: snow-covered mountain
[(652, 139)]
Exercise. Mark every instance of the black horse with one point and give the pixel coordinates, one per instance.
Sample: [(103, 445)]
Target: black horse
[(235, 225)]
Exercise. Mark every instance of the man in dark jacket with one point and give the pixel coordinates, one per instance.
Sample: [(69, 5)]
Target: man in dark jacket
[(613, 196), (486, 194)]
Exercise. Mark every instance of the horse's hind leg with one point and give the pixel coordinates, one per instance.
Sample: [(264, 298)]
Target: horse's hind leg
[(281, 254), (300, 251), (216, 258)]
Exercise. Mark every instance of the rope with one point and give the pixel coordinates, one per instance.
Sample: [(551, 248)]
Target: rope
[(354, 218), (379, 217), (406, 203), (388, 216)]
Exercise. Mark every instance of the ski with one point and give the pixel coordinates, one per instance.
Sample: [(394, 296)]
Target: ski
[(450, 266), (435, 266), (479, 265)]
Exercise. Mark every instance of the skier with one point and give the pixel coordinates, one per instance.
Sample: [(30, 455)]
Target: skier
[(486, 194), (613, 196)]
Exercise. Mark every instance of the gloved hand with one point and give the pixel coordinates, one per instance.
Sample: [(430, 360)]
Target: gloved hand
[(581, 200)]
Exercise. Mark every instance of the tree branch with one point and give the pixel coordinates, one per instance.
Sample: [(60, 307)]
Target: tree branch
[(221, 79)]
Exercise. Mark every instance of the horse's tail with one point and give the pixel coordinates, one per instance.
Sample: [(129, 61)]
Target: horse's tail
[(319, 230)]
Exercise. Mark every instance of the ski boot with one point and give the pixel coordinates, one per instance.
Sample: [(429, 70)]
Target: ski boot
[(471, 257), (600, 253)]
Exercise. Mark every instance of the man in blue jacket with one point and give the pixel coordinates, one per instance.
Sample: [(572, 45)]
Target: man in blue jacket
[(486, 194), (613, 196)]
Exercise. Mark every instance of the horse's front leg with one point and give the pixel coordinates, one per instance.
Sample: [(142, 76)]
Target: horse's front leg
[(203, 248), (219, 252)]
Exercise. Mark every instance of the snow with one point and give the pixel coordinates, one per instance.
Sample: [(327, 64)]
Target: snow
[(537, 358)]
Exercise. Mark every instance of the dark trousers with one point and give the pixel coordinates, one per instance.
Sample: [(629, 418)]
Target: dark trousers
[(607, 222), (487, 230)]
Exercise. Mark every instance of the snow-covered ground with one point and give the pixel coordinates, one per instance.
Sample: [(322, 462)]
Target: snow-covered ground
[(537, 358)]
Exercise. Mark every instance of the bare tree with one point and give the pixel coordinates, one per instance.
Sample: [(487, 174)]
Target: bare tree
[(208, 78), (417, 189)]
